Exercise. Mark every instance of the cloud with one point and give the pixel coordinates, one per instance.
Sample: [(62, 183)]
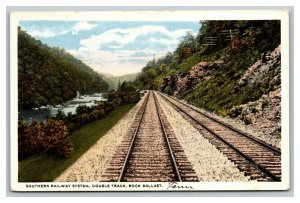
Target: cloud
[(123, 51), (54, 31), (82, 26), (46, 33), (117, 48), (115, 62), (168, 42), (126, 36), (105, 61)]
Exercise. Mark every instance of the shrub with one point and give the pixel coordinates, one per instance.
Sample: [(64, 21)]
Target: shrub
[(49, 137), (83, 109), (120, 98), (29, 138), (85, 114), (56, 140)]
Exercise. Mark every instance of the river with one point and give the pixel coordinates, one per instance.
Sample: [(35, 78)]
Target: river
[(43, 112)]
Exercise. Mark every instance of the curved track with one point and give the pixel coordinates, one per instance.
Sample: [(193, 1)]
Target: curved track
[(255, 158)]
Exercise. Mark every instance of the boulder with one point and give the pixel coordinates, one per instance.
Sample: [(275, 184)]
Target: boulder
[(263, 115)]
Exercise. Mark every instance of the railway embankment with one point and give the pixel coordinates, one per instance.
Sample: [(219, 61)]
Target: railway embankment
[(156, 131), (250, 95), (209, 163)]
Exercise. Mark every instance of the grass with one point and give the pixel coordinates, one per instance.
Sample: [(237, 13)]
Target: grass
[(211, 55), (43, 168), (218, 94)]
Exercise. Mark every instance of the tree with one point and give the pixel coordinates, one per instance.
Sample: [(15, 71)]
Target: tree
[(51, 75), (186, 47)]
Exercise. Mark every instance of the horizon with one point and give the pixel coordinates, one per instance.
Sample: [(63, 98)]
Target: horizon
[(112, 47)]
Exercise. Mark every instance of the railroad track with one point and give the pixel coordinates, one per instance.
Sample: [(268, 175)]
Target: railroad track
[(254, 157), (150, 151)]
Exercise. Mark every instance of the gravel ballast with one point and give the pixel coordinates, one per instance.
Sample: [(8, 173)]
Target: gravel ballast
[(238, 124), (90, 166), (209, 163)]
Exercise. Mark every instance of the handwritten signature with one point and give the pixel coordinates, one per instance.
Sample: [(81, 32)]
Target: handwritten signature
[(174, 185)]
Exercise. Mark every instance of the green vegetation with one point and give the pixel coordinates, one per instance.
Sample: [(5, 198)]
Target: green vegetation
[(48, 76), (47, 148), (220, 92), (115, 81), (49, 137), (43, 167)]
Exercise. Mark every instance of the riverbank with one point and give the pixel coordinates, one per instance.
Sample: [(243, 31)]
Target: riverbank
[(43, 168), (91, 165), (43, 112)]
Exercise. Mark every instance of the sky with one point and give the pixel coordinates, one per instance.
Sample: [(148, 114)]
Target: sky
[(114, 47)]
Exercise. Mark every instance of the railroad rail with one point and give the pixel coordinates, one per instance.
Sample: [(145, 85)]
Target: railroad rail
[(150, 151), (255, 158)]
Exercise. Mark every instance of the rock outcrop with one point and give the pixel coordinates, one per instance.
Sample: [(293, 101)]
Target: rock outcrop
[(263, 114), (183, 83), (267, 68)]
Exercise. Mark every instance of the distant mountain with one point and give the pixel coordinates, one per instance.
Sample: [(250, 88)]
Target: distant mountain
[(106, 75), (113, 81), (48, 76)]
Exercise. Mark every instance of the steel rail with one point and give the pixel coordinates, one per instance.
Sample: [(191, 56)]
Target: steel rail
[(133, 140), (175, 167), (246, 157), (276, 151)]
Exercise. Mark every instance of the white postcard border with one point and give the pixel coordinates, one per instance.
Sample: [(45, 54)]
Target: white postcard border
[(190, 15)]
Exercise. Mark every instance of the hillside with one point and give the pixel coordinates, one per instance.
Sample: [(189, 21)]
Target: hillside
[(48, 76), (114, 81), (221, 72)]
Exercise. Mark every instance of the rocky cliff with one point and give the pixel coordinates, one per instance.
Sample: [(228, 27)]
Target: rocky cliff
[(265, 69), (263, 114), (180, 84)]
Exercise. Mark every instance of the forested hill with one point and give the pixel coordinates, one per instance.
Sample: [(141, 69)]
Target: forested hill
[(48, 76), (212, 69)]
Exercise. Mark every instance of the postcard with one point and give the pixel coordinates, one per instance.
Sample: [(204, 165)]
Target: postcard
[(171, 100)]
